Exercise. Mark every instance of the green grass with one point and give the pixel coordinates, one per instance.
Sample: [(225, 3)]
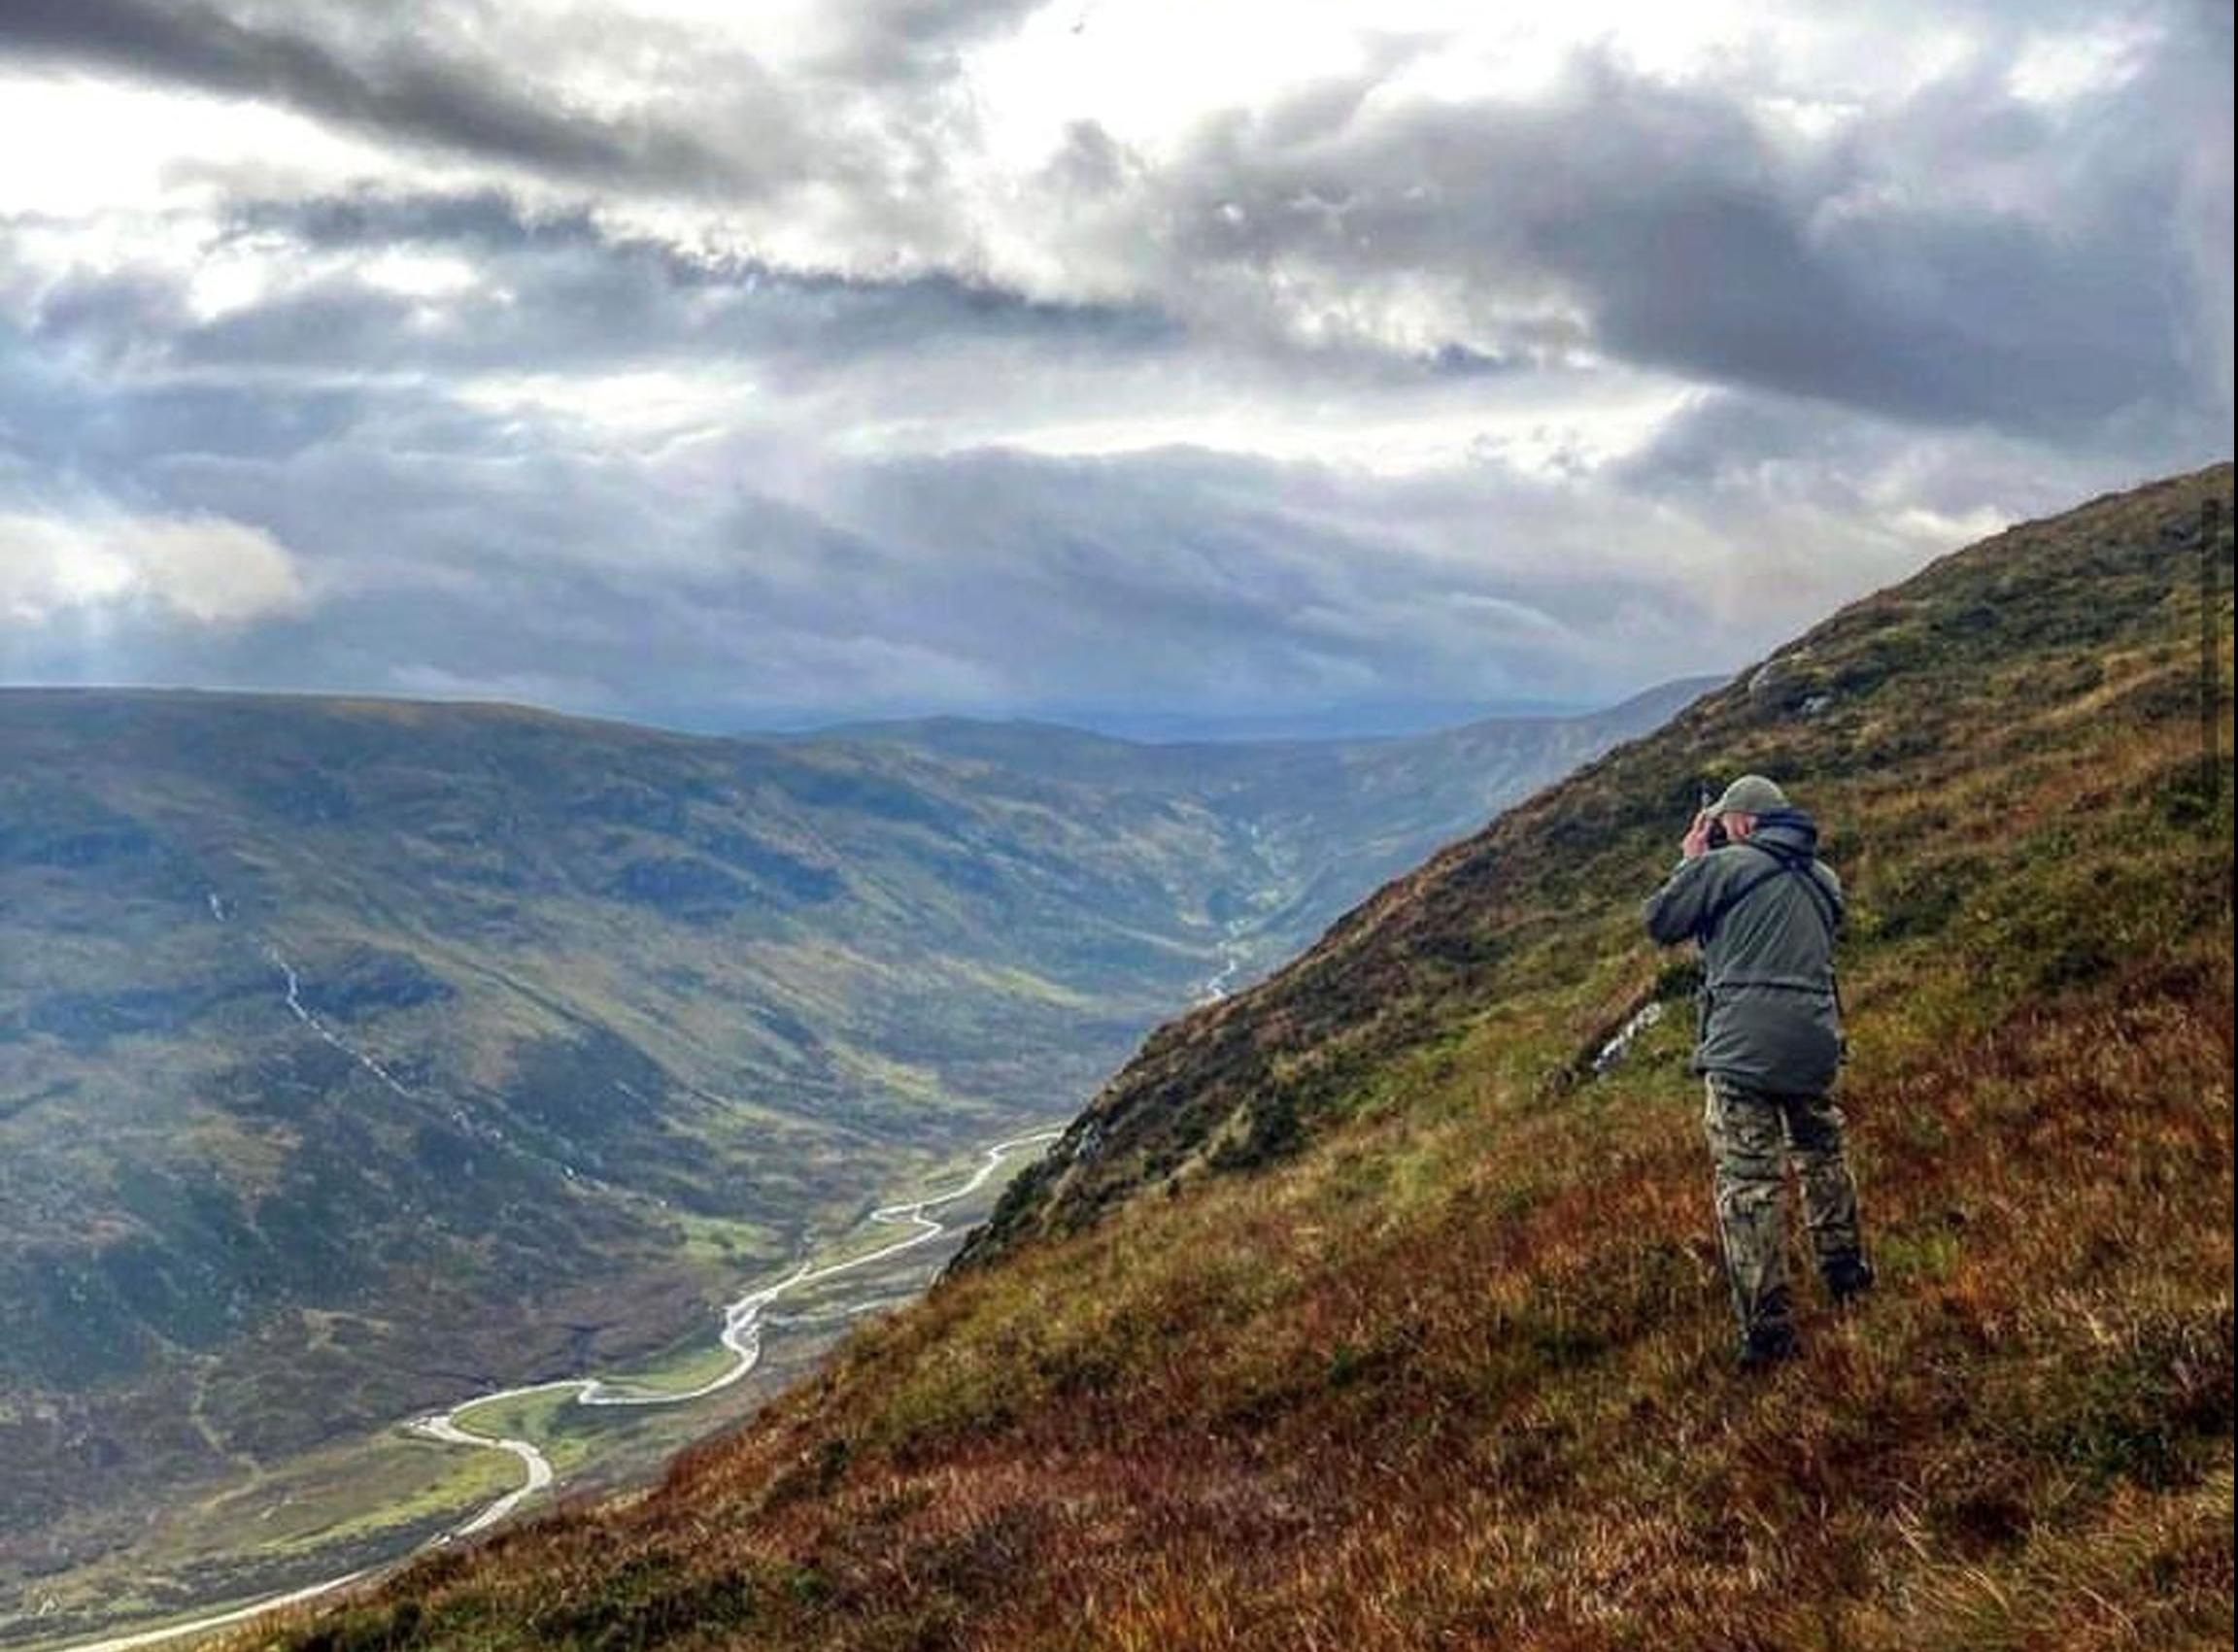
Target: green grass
[(320, 1515)]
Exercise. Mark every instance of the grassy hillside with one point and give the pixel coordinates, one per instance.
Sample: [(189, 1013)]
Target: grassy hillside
[(355, 1056), (1358, 1312)]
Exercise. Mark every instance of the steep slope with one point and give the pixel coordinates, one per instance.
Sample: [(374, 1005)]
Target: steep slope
[(1359, 1311), (355, 1056)]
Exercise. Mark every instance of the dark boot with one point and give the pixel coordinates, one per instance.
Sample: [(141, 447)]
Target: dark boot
[(1849, 1276), (1769, 1345)]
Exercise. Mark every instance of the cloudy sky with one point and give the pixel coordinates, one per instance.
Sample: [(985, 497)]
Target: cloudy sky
[(1141, 362)]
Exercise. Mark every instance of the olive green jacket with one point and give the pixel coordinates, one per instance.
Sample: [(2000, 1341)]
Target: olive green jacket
[(1767, 922)]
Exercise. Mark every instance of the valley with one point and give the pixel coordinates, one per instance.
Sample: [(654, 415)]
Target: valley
[(361, 1057)]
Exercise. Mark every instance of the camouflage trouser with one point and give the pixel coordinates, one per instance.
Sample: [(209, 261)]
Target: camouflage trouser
[(1753, 1134)]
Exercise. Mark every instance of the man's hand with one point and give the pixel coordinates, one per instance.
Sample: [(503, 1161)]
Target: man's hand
[(1696, 842)]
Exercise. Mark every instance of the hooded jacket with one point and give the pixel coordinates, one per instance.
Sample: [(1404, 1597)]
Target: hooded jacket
[(1766, 912)]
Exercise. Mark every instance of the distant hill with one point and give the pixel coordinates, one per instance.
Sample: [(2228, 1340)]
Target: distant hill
[(356, 1055), (1325, 821), (1367, 1308)]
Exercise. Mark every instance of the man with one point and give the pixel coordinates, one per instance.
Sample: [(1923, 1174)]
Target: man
[(1751, 890)]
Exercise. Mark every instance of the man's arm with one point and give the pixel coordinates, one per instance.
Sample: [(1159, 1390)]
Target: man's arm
[(1676, 911)]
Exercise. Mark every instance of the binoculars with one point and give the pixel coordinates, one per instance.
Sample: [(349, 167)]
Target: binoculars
[(1717, 837)]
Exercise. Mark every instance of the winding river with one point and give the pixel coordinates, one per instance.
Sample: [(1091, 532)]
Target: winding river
[(742, 1337)]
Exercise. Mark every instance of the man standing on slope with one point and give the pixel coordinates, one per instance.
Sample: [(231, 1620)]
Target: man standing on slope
[(1766, 911)]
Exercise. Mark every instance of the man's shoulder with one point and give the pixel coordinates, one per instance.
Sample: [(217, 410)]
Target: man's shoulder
[(1711, 863)]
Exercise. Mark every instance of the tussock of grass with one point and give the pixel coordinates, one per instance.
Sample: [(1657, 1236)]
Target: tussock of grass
[(1363, 1317)]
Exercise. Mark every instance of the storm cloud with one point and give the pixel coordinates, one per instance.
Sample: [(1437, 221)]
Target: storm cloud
[(1963, 254), (399, 90), (1118, 363)]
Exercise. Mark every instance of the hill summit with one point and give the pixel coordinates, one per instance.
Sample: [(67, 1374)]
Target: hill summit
[(1377, 1306)]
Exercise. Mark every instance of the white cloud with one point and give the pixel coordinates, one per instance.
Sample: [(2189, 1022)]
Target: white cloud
[(2058, 67), (102, 145), (205, 569), (422, 680)]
